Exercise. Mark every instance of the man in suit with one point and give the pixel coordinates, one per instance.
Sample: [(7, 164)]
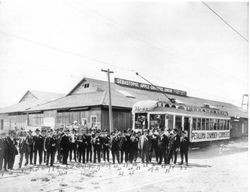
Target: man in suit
[(184, 143), (12, 150), (155, 147), (97, 143), (65, 146), (38, 146), (122, 144), (106, 145), (31, 146), (115, 147), (144, 146), (163, 146), (23, 148), (51, 148), (89, 145), (3, 148), (82, 144)]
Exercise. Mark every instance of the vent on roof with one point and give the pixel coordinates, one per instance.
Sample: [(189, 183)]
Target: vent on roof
[(125, 93)]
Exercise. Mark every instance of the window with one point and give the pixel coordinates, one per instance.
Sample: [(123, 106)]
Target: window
[(170, 122), (84, 121), (157, 121), (167, 105), (93, 120), (86, 85), (178, 122), (194, 123), (199, 124), (181, 107), (141, 120), (1, 125), (203, 124), (211, 125), (207, 124)]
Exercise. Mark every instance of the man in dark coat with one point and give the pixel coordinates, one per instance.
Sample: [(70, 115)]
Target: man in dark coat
[(65, 146), (163, 147), (115, 147), (173, 146), (82, 144), (133, 150), (184, 143), (122, 144), (73, 147), (155, 147), (89, 145), (144, 146), (106, 145), (3, 148), (38, 146), (127, 146), (23, 148), (31, 145), (97, 143), (51, 148), (12, 151)]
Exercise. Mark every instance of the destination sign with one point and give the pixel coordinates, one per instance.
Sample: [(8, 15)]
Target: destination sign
[(197, 136), (145, 86)]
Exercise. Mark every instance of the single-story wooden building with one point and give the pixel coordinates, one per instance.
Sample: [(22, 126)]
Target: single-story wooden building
[(87, 103)]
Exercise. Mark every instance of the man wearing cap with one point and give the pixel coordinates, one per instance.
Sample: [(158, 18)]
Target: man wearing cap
[(38, 146), (115, 147), (82, 143), (122, 144), (65, 146)]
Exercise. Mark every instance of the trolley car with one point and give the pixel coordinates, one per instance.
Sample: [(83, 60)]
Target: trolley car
[(205, 123)]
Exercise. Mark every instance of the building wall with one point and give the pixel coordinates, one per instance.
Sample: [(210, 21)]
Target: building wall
[(122, 119), (91, 117), (12, 122), (239, 128)]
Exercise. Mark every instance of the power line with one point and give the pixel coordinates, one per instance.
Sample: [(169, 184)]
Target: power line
[(177, 57), (59, 49), (225, 21)]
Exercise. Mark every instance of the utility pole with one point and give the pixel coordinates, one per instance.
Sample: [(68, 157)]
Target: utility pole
[(110, 104)]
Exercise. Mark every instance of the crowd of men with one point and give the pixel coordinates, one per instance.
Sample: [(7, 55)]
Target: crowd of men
[(92, 146)]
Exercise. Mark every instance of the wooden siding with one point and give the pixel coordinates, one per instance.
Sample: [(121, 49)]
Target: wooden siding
[(122, 120), (68, 117)]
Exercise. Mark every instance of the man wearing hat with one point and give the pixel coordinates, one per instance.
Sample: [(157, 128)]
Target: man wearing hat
[(38, 146), (184, 142), (106, 145), (89, 145), (65, 146), (23, 148), (30, 144), (3, 148), (155, 147)]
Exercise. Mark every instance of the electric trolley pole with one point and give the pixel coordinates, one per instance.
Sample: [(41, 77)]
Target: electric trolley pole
[(110, 104)]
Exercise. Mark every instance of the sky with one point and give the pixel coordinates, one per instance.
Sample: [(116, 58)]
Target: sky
[(50, 45)]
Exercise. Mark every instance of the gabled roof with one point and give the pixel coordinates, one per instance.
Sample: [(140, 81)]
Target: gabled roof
[(42, 95), (31, 99), (119, 99)]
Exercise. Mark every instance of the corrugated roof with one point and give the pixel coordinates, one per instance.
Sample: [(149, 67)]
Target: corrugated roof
[(100, 97)]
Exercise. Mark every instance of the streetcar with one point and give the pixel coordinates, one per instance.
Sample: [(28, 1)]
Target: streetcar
[(204, 123)]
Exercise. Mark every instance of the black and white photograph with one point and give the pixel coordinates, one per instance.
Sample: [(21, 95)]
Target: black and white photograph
[(124, 96)]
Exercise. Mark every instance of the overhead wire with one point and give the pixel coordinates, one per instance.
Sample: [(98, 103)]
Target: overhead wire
[(224, 21), (177, 57)]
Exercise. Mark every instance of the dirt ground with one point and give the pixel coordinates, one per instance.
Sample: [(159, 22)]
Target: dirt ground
[(211, 169)]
